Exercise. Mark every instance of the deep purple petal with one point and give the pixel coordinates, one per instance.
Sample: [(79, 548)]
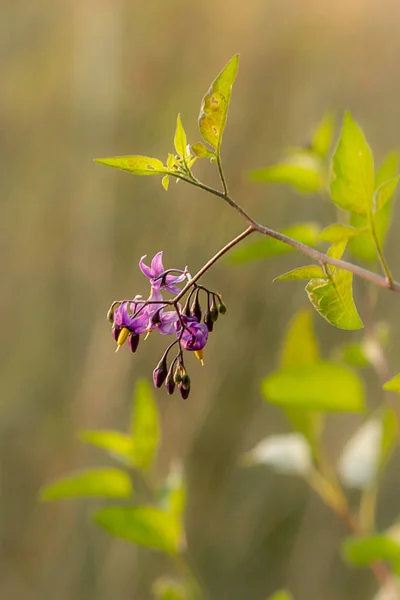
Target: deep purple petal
[(144, 268), (157, 265), (195, 336)]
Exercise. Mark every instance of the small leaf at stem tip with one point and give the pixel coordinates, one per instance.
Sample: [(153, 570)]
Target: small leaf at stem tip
[(180, 140), (393, 385), (100, 482), (165, 182), (303, 171), (322, 137), (201, 151), (352, 174), (308, 272), (215, 104), (137, 165), (322, 386), (338, 233)]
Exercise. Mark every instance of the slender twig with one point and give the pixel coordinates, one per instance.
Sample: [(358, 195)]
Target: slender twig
[(221, 174), (314, 254)]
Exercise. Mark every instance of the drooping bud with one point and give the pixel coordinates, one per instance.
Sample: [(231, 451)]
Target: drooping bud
[(208, 321), (133, 341), (195, 309), (185, 381), (111, 310), (160, 372), (214, 311), (184, 392), (115, 332), (178, 374), (221, 307), (169, 382)]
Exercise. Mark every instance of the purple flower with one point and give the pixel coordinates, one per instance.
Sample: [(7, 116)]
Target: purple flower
[(124, 316), (155, 272), (195, 334)]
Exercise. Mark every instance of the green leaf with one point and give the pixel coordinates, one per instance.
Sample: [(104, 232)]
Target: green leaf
[(333, 300), (172, 497), (143, 525), (303, 171), (338, 233), (287, 453), (322, 386), (337, 250), (201, 151), (114, 443), (363, 246), (214, 108), (145, 426), (107, 483), (281, 595), (366, 550), (393, 385), (308, 272), (165, 182), (267, 247), (384, 193), (352, 178), (166, 588), (322, 138), (352, 354), (300, 346), (138, 165), (180, 140)]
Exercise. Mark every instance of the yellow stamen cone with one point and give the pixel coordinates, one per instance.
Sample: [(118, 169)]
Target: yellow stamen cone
[(199, 354), (123, 336)]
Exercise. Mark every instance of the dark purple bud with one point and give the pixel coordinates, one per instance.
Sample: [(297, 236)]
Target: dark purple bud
[(186, 309), (221, 307), (133, 341), (170, 385), (195, 309), (185, 381), (160, 372), (184, 392), (115, 332), (208, 321)]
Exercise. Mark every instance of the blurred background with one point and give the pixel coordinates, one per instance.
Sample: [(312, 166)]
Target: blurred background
[(82, 79)]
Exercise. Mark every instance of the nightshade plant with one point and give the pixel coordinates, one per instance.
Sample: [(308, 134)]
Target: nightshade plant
[(305, 386)]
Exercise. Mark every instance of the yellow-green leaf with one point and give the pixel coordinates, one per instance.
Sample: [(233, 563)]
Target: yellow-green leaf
[(214, 108), (172, 497), (337, 233), (201, 151), (333, 300), (138, 165), (107, 483), (304, 171), (322, 386), (143, 525), (145, 426), (266, 247), (393, 385), (300, 346), (322, 137), (114, 443), (366, 550), (165, 182), (384, 192), (180, 140), (301, 273), (352, 178)]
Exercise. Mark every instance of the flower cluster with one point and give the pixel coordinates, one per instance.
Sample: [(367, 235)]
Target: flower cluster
[(132, 318)]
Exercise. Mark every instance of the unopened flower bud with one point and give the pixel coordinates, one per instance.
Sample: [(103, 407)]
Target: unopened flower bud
[(133, 341), (160, 372), (195, 309), (169, 382), (110, 313), (184, 392), (115, 332), (178, 374), (185, 381), (208, 321), (221, 308), (214, 312)]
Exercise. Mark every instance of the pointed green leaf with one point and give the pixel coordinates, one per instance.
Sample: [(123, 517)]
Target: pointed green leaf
[(303, 171), (180, 140), (300, 346), (322, 386), (107, 483), (302, 273), (172, 497), (214, 108), (388, 169), (114, 443), (165, 182), (333, 300), (322, 138), (138, 165), (352, 178), (366, 550), (384, 192), (201, 151), (145, 426), (143, 525), (267, 247), (337, 250), (281, 595), (363, 246), (393, 385), (337, 233)]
